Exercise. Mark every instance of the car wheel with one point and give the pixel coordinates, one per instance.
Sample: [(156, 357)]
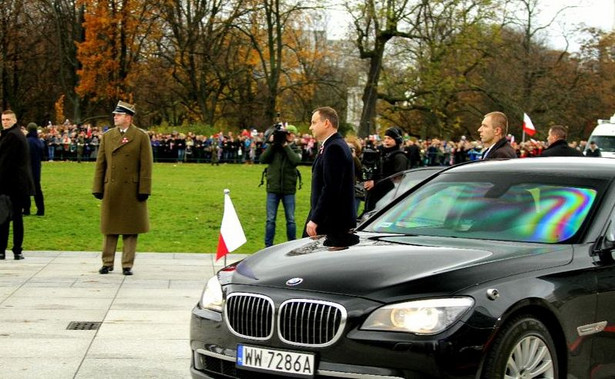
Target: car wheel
[(523, 349)]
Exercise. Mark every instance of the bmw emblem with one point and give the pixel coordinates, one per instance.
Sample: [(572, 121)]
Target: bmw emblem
[(294, 281)]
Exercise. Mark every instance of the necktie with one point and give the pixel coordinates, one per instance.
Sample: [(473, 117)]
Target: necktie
[(320, 149)]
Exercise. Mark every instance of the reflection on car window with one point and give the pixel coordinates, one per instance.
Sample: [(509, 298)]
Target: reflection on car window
[(399, 184), (528, 212)]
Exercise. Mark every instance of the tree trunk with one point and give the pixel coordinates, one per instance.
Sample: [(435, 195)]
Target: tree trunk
[(367, 124)]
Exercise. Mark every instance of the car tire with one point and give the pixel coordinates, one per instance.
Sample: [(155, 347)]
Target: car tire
[(523, 348)]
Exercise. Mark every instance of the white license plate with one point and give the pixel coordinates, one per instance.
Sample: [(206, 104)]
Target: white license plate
[(288, 362)]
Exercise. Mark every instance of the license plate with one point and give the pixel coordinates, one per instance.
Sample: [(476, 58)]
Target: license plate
[(287, 362)]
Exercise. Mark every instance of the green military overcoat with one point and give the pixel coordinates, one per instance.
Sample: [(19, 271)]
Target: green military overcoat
[(124, 170)]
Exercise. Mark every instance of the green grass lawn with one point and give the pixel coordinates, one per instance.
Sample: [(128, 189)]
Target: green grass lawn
[(185, 208)]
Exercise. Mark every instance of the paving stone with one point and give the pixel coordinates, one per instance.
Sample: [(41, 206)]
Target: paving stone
[(145, 318)]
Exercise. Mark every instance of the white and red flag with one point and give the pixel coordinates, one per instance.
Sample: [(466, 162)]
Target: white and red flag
[(231, 233), (528, 127)]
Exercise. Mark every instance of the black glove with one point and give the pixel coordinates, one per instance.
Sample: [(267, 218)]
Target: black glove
[(98, 195), (142, 196)]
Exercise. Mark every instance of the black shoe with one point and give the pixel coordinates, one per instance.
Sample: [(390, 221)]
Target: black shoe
[(18, 256), (126, 271), (105, 269), (40, 213)]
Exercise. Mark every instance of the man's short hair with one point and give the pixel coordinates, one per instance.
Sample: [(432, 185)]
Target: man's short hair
[(559, 131), (499, 120), (330, 114), (8, 111)]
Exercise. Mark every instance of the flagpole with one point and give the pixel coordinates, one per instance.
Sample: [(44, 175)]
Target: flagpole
[(226, 192), (523, 136)]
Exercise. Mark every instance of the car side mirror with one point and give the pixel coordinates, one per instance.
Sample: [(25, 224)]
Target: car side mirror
[(609, 237), (606, 244)]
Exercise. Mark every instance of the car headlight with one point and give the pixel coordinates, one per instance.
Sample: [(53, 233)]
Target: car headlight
[(212, 295), (420, 317)]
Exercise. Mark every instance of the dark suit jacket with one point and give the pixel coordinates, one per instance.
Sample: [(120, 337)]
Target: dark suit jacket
[(15, 172), (560, 148), (332, 199), (36, 147), (501, 149)]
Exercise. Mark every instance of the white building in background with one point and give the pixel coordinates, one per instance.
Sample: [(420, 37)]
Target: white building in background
[(355, 106)]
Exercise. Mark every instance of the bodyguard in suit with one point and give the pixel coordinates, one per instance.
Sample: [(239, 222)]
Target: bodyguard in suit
[(123, 181), (332, 199), (15, 180), (558, 146), (493, 131)]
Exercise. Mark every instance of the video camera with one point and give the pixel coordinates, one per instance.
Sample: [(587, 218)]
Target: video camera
[(370, 163), (279, 133)]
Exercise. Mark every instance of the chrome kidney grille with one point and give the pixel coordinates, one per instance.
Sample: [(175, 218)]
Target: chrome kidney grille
[(310, 322), (250, 315), (301, 322)]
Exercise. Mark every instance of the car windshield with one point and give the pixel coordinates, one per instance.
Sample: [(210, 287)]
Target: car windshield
[(547, 211), (605, 143), (395, 186)]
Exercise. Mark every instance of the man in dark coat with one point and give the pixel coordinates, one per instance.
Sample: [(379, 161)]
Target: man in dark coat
[(15, 180), (413, 153), (493, 131), (123, 181), (593, 150), (332, 199), (37, 148), (558, 146)]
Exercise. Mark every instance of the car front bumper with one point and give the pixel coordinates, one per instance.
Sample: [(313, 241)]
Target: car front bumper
[(357, 354)]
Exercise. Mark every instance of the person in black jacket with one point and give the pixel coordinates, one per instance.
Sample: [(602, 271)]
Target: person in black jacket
[(593, 150), (558, 146), (15, 180), (36, 147), (393, 161), (493, 132), (332, 210)]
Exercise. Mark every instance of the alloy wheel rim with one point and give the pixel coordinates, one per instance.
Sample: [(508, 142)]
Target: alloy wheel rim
[(530, 358)]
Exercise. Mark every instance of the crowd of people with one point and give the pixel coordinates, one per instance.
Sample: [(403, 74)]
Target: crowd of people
[(80, 143), (70, 142), (281, 148)]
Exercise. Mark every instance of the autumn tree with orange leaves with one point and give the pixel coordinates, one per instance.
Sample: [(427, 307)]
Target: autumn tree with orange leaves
[(117, 33)]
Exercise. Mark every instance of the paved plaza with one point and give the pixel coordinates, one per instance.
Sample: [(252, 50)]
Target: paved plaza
[(144, 319)]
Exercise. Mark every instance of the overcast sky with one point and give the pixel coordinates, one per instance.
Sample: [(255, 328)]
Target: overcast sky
[(596, 13)]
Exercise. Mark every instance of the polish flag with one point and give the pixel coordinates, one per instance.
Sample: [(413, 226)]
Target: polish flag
[(528, 127), (231, 233)]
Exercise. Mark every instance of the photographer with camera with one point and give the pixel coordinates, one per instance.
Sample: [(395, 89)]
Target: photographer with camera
[(282, 156), (393, 160)]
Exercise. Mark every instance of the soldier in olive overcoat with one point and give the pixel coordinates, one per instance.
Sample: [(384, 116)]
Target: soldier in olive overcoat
[(123, 181)]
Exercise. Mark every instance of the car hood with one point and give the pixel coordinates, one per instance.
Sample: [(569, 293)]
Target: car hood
[(383, 266)]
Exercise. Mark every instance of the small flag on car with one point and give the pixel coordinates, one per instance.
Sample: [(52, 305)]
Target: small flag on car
[(231, 233)]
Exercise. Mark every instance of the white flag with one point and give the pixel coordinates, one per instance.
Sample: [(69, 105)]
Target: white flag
[(231, 233)]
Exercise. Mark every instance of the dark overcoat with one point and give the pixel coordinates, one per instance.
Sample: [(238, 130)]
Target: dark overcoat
[(123, 171), (502, 149), (560, 148), (36, 147), (15, 172), (332, 199)]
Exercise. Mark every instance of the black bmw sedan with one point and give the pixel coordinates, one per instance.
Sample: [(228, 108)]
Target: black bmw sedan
[(495, 269)]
